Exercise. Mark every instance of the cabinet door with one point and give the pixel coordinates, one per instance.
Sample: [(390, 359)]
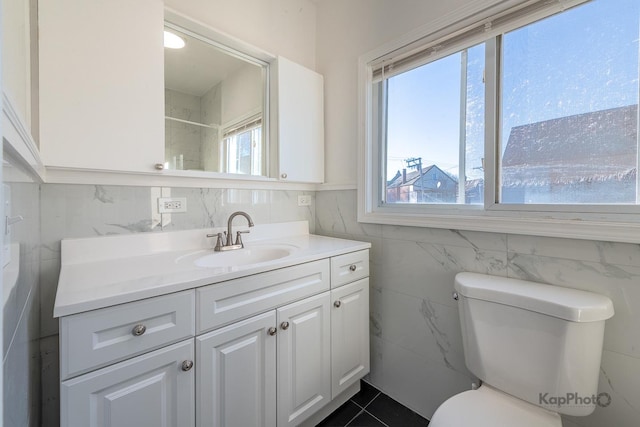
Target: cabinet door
[(236, 381), (151, 390), (300, 123), (303, 359), (349, 335), (101, 85)]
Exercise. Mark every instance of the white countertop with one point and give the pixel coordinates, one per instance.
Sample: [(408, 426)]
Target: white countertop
[(102, 271)]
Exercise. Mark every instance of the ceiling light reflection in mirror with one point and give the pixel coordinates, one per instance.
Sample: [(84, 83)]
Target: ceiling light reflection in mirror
[(173, 41)]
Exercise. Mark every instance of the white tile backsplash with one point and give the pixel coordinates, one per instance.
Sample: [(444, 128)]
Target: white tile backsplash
[(621, 283), (619, 378), (418, 382), (423, 327), (20, 334), (438, 236)]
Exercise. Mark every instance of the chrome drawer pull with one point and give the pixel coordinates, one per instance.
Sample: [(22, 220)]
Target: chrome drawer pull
[(352, 267), (138, 330)]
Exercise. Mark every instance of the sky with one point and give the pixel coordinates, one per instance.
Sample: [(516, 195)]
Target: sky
[(583, 60)]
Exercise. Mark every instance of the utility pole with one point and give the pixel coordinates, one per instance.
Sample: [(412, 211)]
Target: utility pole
[(416, 162)]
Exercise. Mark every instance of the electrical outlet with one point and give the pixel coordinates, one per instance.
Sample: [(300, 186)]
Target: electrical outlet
[(172, 204), (304, 200)]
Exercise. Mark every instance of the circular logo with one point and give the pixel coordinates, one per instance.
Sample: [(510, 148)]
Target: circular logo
[(604, 400)]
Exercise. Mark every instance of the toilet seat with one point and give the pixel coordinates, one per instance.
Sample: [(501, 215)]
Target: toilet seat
[(488, 407)]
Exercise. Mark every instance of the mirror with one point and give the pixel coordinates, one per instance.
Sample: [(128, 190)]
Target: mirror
[(215, 106)]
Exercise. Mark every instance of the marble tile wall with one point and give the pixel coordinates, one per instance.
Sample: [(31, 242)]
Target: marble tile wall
[(20, 336), (182, 138), (416, 344), (70, 211)]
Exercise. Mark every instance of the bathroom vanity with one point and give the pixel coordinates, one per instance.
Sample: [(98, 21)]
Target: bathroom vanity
[(158, 329)]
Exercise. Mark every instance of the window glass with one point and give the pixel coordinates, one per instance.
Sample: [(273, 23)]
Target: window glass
[(569, 99), (242, 152), (432, 129)]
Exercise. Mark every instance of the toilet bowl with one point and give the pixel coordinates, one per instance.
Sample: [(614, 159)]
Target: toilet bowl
[(489, 407), (526, 341)]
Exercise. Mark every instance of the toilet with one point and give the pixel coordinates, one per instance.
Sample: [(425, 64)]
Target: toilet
[(535, 347)]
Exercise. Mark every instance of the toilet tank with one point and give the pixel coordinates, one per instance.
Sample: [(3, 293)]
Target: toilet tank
[(538, 342)]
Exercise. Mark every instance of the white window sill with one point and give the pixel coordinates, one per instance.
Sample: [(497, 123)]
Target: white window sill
[(591, 228)]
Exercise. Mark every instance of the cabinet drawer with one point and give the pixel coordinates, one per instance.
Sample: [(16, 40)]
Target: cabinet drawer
[(349, 267), (150, 390), (101, 337), (226, 302)]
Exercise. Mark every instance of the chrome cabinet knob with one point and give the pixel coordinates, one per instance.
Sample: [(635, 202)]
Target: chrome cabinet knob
[(337, 304), (455, 296), (187, 365), (159, 166), (138, 330), (272, 331), (284, 325), (352, 267), (283, 176)]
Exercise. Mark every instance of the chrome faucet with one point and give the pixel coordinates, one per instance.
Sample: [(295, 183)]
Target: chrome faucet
[(229, 244)]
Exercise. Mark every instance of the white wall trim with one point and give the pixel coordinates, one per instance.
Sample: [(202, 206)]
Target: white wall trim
[(191, 179), (543, 226), (336, 186), (17, 140)]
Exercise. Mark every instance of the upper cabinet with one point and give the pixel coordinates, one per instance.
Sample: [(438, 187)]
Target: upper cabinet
[(19, 85), (102, 84), (17, 48), (113, 98), (300, 110)]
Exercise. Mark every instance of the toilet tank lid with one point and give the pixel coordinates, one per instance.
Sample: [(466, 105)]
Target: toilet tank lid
[(570, 304)]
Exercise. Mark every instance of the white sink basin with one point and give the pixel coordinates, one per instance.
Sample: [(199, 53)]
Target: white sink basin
[(238, 257)]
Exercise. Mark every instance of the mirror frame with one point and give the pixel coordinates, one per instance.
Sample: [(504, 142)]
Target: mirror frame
[(245, 52)]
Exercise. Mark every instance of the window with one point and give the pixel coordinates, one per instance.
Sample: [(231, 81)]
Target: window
[(569, 116), (241, 148), (434, 129), (516, 114)]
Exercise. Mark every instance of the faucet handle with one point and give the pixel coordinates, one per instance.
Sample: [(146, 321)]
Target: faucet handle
[(239, 237), (219, 242)]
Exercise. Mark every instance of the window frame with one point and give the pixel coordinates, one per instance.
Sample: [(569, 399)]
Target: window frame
[(247, 125), (620, 223)]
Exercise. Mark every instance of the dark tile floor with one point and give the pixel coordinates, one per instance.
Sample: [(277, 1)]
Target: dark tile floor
[(371, 408)]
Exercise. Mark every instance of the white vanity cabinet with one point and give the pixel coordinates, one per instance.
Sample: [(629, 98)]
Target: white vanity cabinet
[(269, 349), (244, 366), (284, 352), (150, 389), (236, 374), (349, 335), (155, 389), (304, 359), (349, 320)]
